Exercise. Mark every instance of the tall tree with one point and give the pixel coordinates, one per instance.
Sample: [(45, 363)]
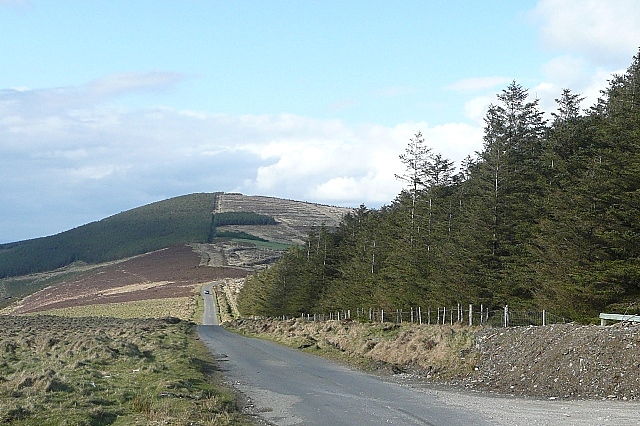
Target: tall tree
[(510, 184), (415, 158)]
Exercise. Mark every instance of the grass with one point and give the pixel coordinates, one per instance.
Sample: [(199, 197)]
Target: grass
[(179, 307), (108, 371), (434, 351), (14, 288)]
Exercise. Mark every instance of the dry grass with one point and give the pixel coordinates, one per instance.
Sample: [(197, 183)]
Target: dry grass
[(226, 297), (433, 351), (104, 371), (179, 307)]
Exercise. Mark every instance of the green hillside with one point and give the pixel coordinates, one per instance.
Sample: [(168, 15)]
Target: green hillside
[(177, 220)]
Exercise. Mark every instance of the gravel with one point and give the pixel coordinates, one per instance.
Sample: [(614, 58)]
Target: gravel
[(565, 361)]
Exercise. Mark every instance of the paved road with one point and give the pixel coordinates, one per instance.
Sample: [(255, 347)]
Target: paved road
[(289, 387), (210, 315)]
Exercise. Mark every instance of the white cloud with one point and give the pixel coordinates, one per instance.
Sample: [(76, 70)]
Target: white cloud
[(476, 108), (80, 160), (455, 140), (593, 39), (604, 32)]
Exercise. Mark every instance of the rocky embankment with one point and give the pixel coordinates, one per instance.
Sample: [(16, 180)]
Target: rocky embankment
[(563, 361)]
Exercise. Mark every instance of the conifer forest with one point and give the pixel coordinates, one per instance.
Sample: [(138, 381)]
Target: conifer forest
[(545, 216)]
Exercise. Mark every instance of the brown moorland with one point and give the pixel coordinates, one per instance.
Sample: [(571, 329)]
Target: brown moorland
[(167, 273)]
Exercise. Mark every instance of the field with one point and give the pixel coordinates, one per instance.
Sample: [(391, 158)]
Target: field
[(104, 352), (107, 371), (114, 343)]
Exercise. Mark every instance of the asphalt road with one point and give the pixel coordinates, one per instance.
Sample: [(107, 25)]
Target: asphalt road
[(288, 387), (210, 315)]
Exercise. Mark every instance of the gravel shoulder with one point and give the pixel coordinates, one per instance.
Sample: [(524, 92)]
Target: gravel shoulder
[(518, 410)]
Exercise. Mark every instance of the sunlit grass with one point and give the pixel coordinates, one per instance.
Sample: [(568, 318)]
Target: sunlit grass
[(108, 371), (179, 307)]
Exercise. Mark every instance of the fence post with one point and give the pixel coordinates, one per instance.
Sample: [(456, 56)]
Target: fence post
[(470, 315), (429, 315), (412, 315), (381, 315), (419, 315), (544, 317), (506, 316)]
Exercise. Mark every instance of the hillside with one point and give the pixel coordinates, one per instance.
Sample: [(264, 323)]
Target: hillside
[(27, 266), (140, 230)]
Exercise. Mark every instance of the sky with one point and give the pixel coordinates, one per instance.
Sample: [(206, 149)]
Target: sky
[(108, 106)]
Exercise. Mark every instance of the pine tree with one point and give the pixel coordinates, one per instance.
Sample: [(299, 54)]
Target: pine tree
[(509, 182), (415, 159)]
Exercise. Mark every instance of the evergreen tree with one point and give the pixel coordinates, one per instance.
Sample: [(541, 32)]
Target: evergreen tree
[(510, 184)]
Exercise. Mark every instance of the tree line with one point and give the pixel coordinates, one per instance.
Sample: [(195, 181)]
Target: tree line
[(544, 216)]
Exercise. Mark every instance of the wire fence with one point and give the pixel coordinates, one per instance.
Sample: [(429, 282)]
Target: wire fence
[(467, 315)]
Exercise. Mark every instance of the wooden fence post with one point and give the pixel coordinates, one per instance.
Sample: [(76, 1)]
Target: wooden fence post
[(382, 315), (470, 315), (420, 315)]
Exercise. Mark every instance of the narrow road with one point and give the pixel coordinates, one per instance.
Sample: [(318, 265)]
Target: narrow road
[(288, 387), (210, 315)]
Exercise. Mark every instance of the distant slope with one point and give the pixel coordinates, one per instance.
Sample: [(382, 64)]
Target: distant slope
[(295, 219), (154, 226), (184, 219)]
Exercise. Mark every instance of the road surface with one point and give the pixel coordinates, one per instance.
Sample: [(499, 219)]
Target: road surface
[(210, 315), (288, 387)]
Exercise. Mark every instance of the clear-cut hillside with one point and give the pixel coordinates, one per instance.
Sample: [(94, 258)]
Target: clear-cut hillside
[(295, 218)]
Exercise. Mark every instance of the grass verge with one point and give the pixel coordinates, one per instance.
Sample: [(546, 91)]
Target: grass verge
[(436, 352)]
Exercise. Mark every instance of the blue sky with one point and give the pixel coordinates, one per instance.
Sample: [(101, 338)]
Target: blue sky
[(106, 106)]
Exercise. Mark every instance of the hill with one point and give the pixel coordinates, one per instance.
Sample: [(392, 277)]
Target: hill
[(228, 229), (140, 230)]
